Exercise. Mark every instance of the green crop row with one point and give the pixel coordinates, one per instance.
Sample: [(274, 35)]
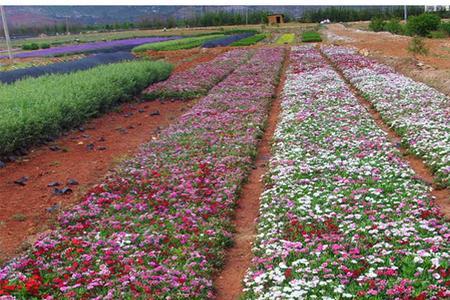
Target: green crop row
[(34, 110), (287, 38), (250, 40), (311, 36), (185, 43)]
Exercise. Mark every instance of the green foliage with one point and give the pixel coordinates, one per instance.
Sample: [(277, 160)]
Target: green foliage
[(186, 43), (311, 36), (445, 27), (287, 38), (377, 24), (349, 14), (44, 45), (36, 109), (250, 40), (394, 26), (438, 34), (30, 46), (417, 46), (423, 24)]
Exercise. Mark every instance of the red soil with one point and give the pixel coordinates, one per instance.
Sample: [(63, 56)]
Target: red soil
[(28, 210), (228, 282)]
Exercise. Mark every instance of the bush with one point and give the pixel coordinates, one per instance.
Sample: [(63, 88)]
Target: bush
[(417, 46), (36, 109), (44, 45), (250, 40), (423, 24), (311, 36), (394, 26), (31, 46), (437, 34), (377, 24), (186, 43), (445, 27)]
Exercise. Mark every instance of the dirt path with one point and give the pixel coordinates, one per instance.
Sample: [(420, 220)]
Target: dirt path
[(442, 196), (84, 155), (228, 282)]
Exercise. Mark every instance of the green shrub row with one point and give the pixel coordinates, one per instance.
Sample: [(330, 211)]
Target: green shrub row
[(251, 40), (426, 24), (311, 36), (185, 43), (34, 110), (35, 46)]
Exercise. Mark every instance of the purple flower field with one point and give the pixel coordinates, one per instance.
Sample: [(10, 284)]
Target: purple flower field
[(86, 47)]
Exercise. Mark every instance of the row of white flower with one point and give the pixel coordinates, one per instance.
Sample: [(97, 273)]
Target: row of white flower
[(342, 215), (417, 112)]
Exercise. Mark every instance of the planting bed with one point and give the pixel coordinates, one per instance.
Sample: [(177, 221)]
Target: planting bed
[(157, 227), (198, 80), (66, 67), (37, 109), (184, 43), (111, 46), (33, 208), (227, 40), (417, 112), (343, 216)]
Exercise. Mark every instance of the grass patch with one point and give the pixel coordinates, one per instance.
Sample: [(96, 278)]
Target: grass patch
[(186, 43), (251, 40), (33, 110), (287, 38), (311, 37)]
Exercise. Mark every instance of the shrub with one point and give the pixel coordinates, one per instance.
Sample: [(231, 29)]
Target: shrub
[(287, 38), (423, 24), (44, 45), (417, 46), (445, 27), (394, 26), (31, 46), (438, 34), (377, 24), (33, 110), (311, 36)]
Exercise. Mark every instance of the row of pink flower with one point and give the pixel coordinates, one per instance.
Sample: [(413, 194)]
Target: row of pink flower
[(199, 80), (343, 216), (417, 112), (157, 228)]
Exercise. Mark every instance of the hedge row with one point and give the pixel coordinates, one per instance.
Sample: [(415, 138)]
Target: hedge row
[(36, 109)]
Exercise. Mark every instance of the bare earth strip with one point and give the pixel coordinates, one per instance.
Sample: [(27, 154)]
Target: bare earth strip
[(229, 282)]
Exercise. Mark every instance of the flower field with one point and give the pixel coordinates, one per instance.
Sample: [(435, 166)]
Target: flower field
[(343, 216), (200, 79), (417, 112), (157, 227), (117, 45)]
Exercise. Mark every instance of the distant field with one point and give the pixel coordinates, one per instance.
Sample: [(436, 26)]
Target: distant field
[(98, 36)]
